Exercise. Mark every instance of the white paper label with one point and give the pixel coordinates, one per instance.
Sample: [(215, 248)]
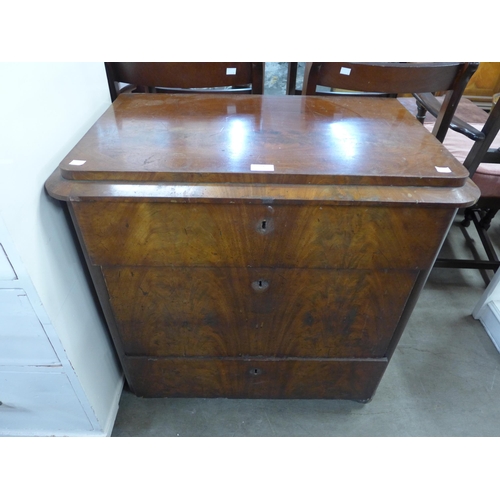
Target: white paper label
[(230, 71), (443, 170), (77, 162), (345, 71), (262, 168)]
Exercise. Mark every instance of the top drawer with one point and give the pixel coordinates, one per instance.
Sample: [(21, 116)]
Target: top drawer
[(245, 235)]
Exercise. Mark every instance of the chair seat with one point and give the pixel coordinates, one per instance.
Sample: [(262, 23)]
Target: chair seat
[(487, 176), (487, 179), (489, 185), (488, 169), (459, 146)]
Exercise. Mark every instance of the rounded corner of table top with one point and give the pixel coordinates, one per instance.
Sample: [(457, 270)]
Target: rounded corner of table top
[(57, 186)]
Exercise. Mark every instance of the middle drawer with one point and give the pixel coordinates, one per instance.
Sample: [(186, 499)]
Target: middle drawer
[(250, 312)]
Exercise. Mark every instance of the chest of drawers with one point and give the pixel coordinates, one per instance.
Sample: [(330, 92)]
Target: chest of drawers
[(259, 247)]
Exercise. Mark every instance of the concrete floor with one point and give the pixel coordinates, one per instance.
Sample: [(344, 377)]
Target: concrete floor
[(443, 380)]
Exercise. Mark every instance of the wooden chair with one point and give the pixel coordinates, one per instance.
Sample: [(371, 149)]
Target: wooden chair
[(291, 79), (483, 163), (227, 77), (391, 79)]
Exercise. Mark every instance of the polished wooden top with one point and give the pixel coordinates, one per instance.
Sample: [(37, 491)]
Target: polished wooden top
[(356, 141)]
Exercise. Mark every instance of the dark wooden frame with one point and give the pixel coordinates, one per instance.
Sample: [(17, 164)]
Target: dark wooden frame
[(184, 77), (396, 78), (482, 213)]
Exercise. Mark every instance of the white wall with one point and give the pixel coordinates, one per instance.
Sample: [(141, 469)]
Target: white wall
[(45, 108)]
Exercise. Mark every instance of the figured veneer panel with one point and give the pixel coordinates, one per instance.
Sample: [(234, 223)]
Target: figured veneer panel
[(254, 377), (269, 312), (155, 138), (219, 280), (241, 235)]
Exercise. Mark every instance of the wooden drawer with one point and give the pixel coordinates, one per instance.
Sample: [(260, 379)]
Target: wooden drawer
[(244, 235), (254, 378), (248, 312)]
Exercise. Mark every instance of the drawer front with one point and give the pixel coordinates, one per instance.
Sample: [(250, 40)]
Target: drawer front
[(254, 378), (244, 235), (249, 312), (23, 340), (40, 402)]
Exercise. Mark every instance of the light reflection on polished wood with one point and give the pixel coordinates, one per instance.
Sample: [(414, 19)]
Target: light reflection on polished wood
[(308, 140), (217, 281)]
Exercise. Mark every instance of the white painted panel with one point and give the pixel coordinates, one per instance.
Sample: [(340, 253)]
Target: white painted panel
[(23, 340), (6, 271), (40, 403), (39, 125), (492, 292), (490, 318)]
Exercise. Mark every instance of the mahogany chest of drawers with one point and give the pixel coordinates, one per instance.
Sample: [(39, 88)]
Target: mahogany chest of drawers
[(259, 246)]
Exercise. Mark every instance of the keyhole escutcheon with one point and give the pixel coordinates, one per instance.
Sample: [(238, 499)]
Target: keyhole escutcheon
[(260, 285), (265, 226)]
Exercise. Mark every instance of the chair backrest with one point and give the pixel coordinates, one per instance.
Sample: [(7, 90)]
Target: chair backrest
[(481, 151), (242, 77), (395, 78)]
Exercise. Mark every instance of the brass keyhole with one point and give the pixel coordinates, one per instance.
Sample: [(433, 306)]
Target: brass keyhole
[(255, 371)]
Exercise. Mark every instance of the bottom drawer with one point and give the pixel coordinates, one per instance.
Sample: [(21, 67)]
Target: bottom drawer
[(269, 378)]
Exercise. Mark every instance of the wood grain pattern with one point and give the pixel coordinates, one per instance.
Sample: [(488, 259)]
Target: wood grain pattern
[(258, 194), (296, 283), (187, 75), (255, 378), (159, 234), (252, 312), (309, 140), (391, 79)]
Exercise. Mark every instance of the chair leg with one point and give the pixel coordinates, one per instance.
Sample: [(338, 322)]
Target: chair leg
[(483, 235), (421, 112), (485, 221), (492, 263), (468, 217), (291, 79)]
